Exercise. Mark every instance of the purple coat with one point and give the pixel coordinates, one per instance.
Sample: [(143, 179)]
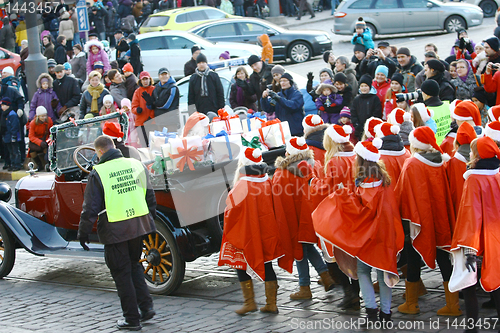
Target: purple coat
[(334, 98), (43, 98)]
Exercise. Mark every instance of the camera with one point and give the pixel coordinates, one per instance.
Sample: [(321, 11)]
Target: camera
[(270, 86), (409, 96)]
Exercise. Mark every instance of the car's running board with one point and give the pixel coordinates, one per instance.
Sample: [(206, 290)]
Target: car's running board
[(75, 251)]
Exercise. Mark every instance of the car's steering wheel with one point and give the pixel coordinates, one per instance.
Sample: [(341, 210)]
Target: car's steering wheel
[(87, 165)]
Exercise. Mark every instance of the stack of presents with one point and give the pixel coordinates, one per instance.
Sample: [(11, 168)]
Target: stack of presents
[(204, 143)]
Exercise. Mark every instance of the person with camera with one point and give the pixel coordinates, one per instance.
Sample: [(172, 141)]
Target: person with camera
[(261, 76), (287, 104), (409, 67), (492, 80), (492, 50), (466, 45), (375, 58)]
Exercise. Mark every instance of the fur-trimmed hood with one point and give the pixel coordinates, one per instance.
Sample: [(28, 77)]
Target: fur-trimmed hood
[(91, 43), (46, 76), (324, 85), (315, 129), (291, 162)]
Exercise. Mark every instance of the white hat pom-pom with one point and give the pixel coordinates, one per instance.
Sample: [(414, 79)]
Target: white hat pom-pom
[(394, 129), (119, 139), (347, 129), (445, 157), (316, 120), (407, 116), (256, 153), (377, 143), (301, 141)]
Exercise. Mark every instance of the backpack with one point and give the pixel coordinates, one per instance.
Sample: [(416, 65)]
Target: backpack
[(54, 25)]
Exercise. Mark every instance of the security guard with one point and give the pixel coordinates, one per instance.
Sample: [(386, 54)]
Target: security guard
[(120, 197)]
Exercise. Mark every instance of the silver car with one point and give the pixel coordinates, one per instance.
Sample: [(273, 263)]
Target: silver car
[(489, 7), (401, 16)]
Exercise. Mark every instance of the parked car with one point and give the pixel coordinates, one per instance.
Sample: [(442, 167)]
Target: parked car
[(400, 16), (297, 45), (489, 7), (11, 59), (172, 49), (182, 18)]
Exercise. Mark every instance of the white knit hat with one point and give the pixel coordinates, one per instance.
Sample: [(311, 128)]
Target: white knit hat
[(108, 97), (41, 110), (339, 134), (385, 129), (296, 145), (424, 112), (251, 156), (310, 122), (8, 69), (369, 150)]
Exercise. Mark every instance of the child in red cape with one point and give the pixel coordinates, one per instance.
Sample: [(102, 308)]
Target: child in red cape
[(477, 231), (292, 187), (253, 229), (427, 211), (365, 228)]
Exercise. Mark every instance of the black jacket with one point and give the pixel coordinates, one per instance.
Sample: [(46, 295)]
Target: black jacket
[(259, 81), (135, 57), (68, 91), (166, 97), (97, 20), (127, 151), (121, 47), (215, 99), (17, 102), (93, 204), (392, 143), (363, 107), (315, 137), (346, 99), (60, 54), (189, 67), (446, 90), (368, 66), (433, 101)]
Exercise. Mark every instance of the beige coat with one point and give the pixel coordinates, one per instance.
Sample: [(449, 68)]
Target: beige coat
[(66, 27)]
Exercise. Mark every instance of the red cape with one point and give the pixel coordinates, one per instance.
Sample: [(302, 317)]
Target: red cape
[(478, 223), (448, 144), (424, 199), (364, 224), (253, 228), (394, 161), (319, 154), (455, 170)]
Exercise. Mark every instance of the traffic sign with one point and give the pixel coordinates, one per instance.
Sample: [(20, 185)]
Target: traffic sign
[(83, 18)]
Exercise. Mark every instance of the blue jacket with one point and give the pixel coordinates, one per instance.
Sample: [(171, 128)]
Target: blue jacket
[(12, 130), (288, 108), (366, 39)]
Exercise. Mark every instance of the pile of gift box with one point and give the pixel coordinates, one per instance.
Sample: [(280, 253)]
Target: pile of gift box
[(221, 140)]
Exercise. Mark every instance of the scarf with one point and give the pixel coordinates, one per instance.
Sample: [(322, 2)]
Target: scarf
[(240, 96), (464, 78), (95, 92), (203, 75)]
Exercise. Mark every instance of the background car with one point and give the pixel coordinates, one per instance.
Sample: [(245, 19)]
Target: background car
[(172, 49), (11, 59), (181, 18), (399, 16), (298, 45), (489, 7)]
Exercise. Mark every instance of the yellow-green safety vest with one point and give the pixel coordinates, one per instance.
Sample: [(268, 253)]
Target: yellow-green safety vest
[(124, 182), (443, 120)]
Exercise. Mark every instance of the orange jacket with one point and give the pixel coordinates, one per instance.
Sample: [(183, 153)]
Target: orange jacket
[(267, 48), (138, 101), (39, 131)]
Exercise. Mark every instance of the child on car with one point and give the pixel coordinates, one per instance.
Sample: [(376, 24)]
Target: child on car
[(363, 35)]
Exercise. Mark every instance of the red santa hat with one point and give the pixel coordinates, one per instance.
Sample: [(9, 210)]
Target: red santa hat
[(369, 126), (296, 145), (467, 110), (193, 120), (398, 117), (453, 105), (487, 148), (113, 130), (310, 122), (368, 150), (492, 130), (494, 113), (424, 112), (423, 138), (465, 134), (252, 156), (385, 129), (339, 134)]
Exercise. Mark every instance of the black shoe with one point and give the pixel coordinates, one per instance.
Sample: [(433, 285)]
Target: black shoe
[(372, 315), (147, 315), (6, 167), (124, 325), (298, 18), (313, 16), (489, 304), (15, 168), (384, 316), (350, 302)]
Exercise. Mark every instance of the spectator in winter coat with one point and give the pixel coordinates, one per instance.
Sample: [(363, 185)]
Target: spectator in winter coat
[(60, 50), (365, 105), (11, 136), (466, 81), (381, 83), (124, 8), (261, 76), (165, 96), (110, 22), (139, 105), (327, 100), (67, 29), (267, 48), (240, 91), (117, 88), (375, 58), (7, 36), (390, 97), (121, 48), (68, 93), (409, 67), (92, 98), (147, 10), (48, 51), (324, 74), (329, 59), (190, 66), (95, 52), (238, 8), (343, 65), (288, 104), (434, 69), (340, 82), (74, 19), (9, 78), (205, 88), (135, 54), (130, 80), (78, 63), (45, 96), (96, 18), (359, 55), (38, 135), (420, 78), (362, 35), (492, 50)]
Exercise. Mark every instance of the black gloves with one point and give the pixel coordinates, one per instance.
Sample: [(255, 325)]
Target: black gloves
[(44, 145), (84, 239), (148, 98), (54, 103), (139, 110), (310, 76), (469, 47), (461, 44), (471, 259), (274, 95)]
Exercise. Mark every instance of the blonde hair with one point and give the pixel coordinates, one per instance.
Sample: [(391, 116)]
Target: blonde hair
[(95, 73), (474, 156), (417, 119), (414, 150), (367, 169), (331, 147)]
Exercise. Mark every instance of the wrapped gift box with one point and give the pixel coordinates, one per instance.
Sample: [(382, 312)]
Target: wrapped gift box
[(186, 151), (224, 147), (252, 140), (275, 133), (253, 121), (231, 124), (158, 139)]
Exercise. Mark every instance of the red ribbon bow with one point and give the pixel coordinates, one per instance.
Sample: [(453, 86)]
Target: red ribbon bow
[(223, 115), (73, 121), (187, 155), (271, 122)]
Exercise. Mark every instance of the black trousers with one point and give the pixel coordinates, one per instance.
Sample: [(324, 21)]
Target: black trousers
[(269, 271), (122, 260), (414, 260)]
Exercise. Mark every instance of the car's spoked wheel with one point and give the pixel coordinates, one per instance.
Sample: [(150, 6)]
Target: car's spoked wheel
[(300, 52), (7, 252), (163, 266)]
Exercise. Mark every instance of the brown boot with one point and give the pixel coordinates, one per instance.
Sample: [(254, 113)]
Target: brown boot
[(421, 289), (328, 282), (248, 295), (271, 293), (452, 308), (411, 304), (303, 293)]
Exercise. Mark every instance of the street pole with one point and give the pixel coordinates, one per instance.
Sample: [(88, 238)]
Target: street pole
[(274, 8), (36, 63)]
